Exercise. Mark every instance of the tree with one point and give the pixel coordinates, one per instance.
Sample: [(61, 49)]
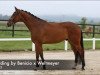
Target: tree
[(83, 22)]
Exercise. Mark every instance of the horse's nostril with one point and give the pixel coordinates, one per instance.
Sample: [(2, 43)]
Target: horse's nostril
[(8, 24)]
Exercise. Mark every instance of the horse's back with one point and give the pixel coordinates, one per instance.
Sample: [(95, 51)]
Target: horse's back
[(65, 24), (69, 26)]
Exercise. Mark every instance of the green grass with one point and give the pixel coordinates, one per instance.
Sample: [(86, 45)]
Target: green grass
[(97, 44), (58, 46), (88, 45), (15, 45), (26, 45), (8, 34)]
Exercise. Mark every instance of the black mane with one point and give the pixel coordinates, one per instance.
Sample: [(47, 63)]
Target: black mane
[(33, 15)]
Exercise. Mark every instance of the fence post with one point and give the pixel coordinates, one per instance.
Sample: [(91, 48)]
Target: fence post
[(93, 43), (13, 28), (33, 46), (66, 45), (93, 31)]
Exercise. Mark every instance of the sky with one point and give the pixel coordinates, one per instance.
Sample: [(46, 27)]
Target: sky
[(78, 8)]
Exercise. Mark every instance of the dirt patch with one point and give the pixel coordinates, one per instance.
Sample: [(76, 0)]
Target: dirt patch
[(92, 59)]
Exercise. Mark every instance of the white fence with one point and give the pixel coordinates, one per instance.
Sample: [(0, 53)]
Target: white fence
[(86, 39), (18, 39), (33, 46)]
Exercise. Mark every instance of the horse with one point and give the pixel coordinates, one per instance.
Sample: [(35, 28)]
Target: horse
[(43, 32), (88, 30)]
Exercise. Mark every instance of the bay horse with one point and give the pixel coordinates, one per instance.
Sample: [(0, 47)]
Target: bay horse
[(43, 32)]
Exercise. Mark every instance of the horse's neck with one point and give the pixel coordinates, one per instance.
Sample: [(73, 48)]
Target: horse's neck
[(30, 22)]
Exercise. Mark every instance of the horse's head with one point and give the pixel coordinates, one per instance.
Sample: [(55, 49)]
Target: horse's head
[(16, 17)]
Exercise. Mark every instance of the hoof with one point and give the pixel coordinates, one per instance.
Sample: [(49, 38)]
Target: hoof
[(83, 69), (74, 68), (35, 69), (44, 67), (37, 65)]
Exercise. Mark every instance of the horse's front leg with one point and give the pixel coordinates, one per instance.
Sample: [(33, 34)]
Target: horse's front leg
[(39, 51), (37, 55), (42, 58)]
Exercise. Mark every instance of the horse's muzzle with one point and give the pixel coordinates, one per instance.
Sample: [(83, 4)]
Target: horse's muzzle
[(10, 24)]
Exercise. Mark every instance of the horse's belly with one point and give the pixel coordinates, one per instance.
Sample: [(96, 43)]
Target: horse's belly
[(55, 38)]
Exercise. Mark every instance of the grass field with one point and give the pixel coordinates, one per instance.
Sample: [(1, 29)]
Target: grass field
[(26, 45)]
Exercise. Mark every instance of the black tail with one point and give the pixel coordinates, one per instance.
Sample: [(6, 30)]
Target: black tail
[(82, 45)]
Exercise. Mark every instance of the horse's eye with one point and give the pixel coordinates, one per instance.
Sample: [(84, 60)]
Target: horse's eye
[(15, 13)]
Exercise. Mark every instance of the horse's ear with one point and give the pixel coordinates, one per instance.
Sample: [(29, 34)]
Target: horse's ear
[(16, 9)]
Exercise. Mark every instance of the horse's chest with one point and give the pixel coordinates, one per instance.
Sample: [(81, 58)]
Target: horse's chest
[(36, 36)]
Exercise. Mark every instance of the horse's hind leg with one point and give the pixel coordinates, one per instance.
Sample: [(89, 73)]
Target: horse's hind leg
[(76, 60), (81, 55), (76, 55)]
